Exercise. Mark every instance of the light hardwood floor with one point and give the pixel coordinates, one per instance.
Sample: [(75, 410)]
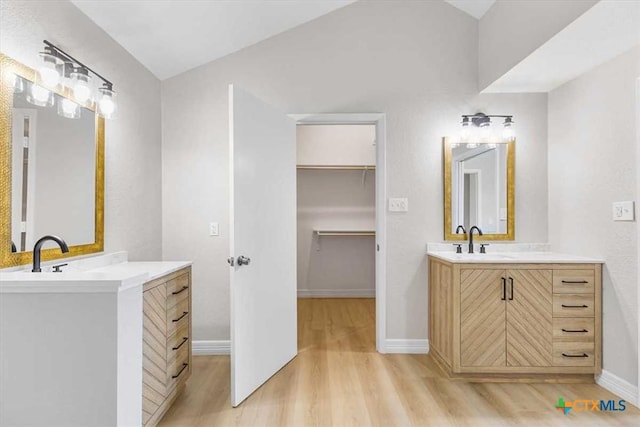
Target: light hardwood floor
[(338, 379)]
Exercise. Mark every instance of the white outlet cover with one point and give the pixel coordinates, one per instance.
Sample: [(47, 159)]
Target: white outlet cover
[(398, 205), (624, 211)]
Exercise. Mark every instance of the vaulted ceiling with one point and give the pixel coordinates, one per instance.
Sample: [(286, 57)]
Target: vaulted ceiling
[(173, 36)]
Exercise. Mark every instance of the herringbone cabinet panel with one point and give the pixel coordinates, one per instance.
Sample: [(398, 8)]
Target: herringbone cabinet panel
[(530, 318), (482, 318), (154, 374)]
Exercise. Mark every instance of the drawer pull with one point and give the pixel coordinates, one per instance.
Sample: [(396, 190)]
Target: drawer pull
[(184, 313), (575, 282), (574, 330), (184, 340), (575, 306), (184, 288), (575, 355), (504, 289), (184, 366)]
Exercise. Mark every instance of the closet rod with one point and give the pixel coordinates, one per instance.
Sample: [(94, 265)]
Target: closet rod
[(345, 233), (336, 167)]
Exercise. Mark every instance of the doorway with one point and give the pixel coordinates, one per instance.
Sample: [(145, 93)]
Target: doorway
[(341, 219)]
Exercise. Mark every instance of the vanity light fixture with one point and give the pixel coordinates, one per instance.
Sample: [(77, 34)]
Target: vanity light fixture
[(58, 68), (478, 128)]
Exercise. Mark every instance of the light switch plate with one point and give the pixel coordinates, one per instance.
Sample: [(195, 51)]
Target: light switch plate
[(398, 205), (214, 229), (624, 211)]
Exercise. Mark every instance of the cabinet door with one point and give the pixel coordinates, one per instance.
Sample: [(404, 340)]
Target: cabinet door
[(482, 318), (154, 352), (529, 318)]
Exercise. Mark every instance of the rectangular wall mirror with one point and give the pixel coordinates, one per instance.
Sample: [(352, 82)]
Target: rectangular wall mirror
[(52, 170), (479, 189)]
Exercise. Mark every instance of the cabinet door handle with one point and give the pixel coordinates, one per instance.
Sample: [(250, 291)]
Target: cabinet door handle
[(575, 355), (574, 330), (575, 282), (574, 306), (184, 288), (184, 366), (511, 283), (184, 313), (184, 340), (504, 289)]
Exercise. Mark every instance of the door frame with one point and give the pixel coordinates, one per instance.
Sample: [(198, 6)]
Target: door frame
[(379, 120)]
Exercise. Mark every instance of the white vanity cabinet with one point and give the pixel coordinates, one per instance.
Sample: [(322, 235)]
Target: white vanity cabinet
[(513, 320), (105, 343)]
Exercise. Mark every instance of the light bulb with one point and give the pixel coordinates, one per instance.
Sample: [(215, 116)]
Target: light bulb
[(106, 103), (80, 80), (69, 109), (465, 132), (508, 133), (485, 131), (48, 71), (40, 96)]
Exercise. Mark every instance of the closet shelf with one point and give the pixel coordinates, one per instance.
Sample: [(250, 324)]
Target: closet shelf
[(355, 233), (337, 167)]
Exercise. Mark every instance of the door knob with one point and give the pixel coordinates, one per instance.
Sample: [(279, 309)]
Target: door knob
[(243, 260)]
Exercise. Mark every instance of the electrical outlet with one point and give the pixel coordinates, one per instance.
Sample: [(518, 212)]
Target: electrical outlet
[(623, 211), (399, 205), (213, 229)]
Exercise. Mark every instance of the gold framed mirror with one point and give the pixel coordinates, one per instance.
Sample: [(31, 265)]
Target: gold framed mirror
[(51, 169), (479, 189)]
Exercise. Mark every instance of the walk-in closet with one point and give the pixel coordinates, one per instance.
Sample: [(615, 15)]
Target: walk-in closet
[(336, 166)]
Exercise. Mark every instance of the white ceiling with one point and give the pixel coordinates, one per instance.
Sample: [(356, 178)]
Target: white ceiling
[(603, 32), (475, 8), (173, 36)]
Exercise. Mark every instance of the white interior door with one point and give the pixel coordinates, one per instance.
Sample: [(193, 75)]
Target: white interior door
[(262, 230)]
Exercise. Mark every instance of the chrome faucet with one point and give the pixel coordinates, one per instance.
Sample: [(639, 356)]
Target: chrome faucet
[(475, 227), (38, 247)]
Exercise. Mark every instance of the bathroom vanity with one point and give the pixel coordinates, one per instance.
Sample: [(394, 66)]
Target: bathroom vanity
[(515, 316), (105, 342)]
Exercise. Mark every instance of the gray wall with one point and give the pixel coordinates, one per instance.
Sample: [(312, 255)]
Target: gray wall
[(133, 174), (336, 200), (414, 61), (592, 163), (511, 30)]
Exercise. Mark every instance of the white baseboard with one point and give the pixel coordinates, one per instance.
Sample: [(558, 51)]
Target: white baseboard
[(336, 293), (406, 346), (211, 348), (618, 386)]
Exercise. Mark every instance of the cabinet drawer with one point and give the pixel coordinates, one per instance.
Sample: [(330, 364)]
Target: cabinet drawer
[(178, 289), (573, 281), (177, 316), (178, 341), (178, 369), (574, 329), (573, 353), (576, 305)]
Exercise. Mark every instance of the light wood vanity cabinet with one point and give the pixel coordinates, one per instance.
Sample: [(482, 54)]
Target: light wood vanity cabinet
[(166, 342), (515, 320)]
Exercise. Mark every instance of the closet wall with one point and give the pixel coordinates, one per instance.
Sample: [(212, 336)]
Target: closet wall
[(333, 198)]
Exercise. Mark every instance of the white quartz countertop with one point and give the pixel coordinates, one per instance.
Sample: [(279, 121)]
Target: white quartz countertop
[(114, 275), (152, 269), (513, 258)]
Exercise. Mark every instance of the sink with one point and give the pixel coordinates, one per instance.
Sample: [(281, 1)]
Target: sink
[(484, 257)]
